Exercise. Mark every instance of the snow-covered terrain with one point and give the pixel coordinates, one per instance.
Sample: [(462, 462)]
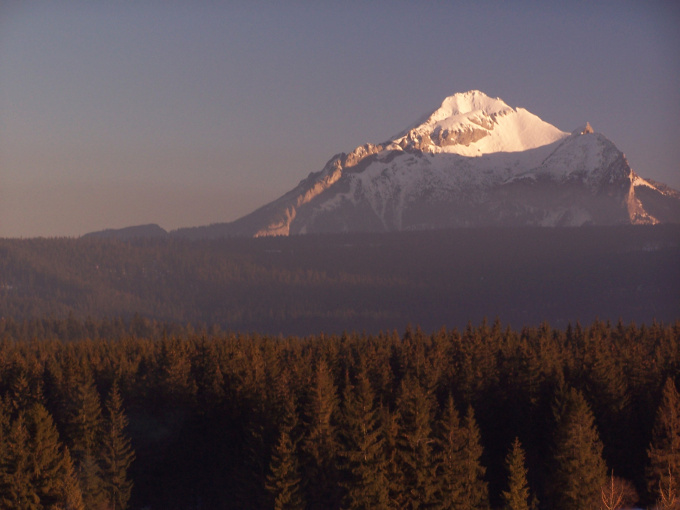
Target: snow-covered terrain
[(474, 161), (473, 124)]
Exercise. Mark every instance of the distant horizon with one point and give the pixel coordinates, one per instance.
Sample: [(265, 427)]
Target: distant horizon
[(118, 115)]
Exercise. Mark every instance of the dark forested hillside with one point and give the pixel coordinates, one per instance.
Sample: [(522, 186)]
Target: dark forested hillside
[(145, 415), (369, 282)]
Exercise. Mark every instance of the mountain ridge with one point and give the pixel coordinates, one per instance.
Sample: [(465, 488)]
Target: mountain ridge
[(473, 161)]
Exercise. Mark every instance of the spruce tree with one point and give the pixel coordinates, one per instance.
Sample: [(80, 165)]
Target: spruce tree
[(663, 472), (389, 430), (89, 474), (362, 450), (117, 453), (284, 480), (475, 493), (85, 427), (46, 459), (320, 445), (448, 458), (414, 445), (517, 495), (40, 466), (71, 488), (16, 485), (580, 471), (24, 391), (607, 388)]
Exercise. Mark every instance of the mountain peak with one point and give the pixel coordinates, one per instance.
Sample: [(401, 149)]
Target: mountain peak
[(474, 161), (471, 101), (583, 130), (473, 124)]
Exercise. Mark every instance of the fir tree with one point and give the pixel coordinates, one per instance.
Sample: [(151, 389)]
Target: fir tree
[(580, 469), (117, 453), (517, 495), (664, 450)]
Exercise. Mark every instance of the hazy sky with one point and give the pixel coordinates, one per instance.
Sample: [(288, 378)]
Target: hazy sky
[(118, 113)]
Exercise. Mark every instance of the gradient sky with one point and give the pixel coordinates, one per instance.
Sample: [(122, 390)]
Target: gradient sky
[(117, 113)]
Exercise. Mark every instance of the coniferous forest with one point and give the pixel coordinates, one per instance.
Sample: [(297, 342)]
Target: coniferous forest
[(372, 282), (141, 414), (343, 372)]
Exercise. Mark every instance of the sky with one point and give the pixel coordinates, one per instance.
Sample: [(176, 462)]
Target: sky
[(117, 113)]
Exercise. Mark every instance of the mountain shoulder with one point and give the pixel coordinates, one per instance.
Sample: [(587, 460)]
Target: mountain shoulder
[(137, 231)]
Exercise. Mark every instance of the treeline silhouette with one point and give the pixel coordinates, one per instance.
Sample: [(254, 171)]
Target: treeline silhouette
[(483, 417), (364, 282)]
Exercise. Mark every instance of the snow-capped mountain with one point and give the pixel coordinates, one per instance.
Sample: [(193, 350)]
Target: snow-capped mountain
[(474, 161)]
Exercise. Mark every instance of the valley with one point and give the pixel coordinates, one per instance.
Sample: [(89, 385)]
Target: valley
[(302, 285)]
